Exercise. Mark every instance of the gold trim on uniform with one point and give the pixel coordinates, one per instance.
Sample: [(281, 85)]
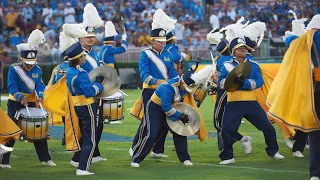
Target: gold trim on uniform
[(82, 100), (155, 98), (241, 96), (173, 37), (25, 59), (28, 97), (107, 42), (152, 86)]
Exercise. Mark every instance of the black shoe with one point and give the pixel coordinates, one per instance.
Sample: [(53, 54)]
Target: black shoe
[(63, 142)]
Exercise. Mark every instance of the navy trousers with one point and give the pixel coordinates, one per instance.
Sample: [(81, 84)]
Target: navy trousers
[(314, 139), (86, 115), (218, 115), (153, 119), (159, 144), (99, 130), (41, 146), (251, 110), (301, 141)]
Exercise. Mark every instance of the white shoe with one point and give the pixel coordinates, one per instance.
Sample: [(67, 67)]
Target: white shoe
[(229, 161), (4, 149), (297, 154), (314, 178), (49, 163), (74, 164), (96, 159), (5, 166), (246, 143), (83, 173), (187, 163), (307, 147), (115, 122), (103, 159), (158, 155), (136, 165), (288, 143), (131, 152), (278, 156)]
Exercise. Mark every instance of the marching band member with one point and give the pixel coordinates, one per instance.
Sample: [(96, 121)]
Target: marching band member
[(82, 92), (214, 37), (300, 65), (23, 80), (156, 66), (107, 52), (174, 90), (92, 20), (242, 103), (174, 49)]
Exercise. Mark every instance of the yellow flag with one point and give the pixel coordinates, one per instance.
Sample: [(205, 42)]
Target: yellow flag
[(8, 129)]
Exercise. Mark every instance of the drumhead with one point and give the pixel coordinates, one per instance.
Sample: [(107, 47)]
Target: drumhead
[(34, 112), (117, 95)]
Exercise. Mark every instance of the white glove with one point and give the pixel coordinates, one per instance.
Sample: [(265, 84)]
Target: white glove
[(124, 37), (183, 54)]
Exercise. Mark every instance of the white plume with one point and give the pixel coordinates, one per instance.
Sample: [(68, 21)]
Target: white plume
[(35, 39), (314, 23), (202, 76), (23, 46), (255, 31), (235, 30), (65, 41), (91, 16), (74, 30), (214, 36), (110, 30), (162, 20), (298, 27)]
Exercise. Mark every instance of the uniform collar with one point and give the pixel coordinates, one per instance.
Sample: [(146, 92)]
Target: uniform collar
[(157, 51), (86, 50)]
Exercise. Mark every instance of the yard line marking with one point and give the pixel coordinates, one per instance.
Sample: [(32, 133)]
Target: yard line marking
[(242, 167)]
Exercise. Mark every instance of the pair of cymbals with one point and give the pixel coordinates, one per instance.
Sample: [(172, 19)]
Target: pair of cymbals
[(111, 82), (242, 70), (189, 128)]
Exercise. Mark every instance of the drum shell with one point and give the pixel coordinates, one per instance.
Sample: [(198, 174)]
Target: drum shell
[(113, 108), (199, 94), (35, 127)]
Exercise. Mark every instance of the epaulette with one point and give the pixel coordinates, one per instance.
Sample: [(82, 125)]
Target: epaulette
[(37, 66), (149, 48)]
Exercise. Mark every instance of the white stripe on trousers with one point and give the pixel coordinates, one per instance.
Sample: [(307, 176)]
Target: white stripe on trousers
[(93, 136), (145, 139), (216, 114), (141, 127)]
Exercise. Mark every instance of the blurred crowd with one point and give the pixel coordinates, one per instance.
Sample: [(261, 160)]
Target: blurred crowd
[(195, 18)]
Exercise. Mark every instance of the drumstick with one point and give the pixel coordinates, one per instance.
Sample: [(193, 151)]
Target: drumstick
[(123, 92), (28, 111), (39, 102)]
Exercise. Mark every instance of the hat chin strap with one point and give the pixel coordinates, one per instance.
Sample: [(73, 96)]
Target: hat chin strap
[(24, 65)]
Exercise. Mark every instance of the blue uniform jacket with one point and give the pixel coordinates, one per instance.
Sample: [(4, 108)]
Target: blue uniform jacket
[(254, 81), (60, 71), (79, 83), (154, 66), (91, 60), (23, 81), (167, 94), (221, 59), (315, 50), (106, 54), (174, 50)]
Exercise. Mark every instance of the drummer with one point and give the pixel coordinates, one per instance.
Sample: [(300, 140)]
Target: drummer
[(160, 103), (25, 88)]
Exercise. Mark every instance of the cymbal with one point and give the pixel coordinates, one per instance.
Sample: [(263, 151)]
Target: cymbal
[(244, 70), (111, 82), (187, 129)]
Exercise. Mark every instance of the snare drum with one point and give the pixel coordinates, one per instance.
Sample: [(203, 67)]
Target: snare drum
[(113, 107), (35, 126)]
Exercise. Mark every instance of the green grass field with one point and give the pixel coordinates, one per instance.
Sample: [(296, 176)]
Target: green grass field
[(204, 156)]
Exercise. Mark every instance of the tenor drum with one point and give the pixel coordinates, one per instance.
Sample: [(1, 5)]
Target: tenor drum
[(113, 107), (35, 126)]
